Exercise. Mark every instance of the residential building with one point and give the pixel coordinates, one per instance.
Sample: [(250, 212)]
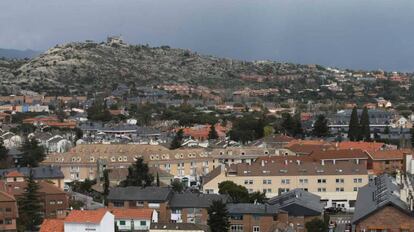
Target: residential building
[(132, 219), (387, 161), (89, 220), (337, 183), (178, 227), (8, 212), (132, 197), (50, 174), (52, 225), (385, 204)]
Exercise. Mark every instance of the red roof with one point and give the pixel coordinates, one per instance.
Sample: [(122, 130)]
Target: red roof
[(366, 146), (388, 155), (86, 216), (52, 225), (132, 213), (14, 173)]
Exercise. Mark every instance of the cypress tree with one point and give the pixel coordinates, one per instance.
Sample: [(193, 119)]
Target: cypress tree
[(138, 175), (218, 217), (212, 134), (353, 131), (365, 129), (158, 180), (177, 140), (320, 128), (30, 208)]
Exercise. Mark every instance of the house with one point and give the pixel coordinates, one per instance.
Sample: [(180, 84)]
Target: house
[(132, 197), (192, 207), (49, 174), (90, 220), (385, 204), (301, 206), (8, 212), (54, 200), (256, 217), (132, 219), (11, 140)]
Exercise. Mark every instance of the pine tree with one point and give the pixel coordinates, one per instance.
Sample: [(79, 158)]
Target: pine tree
[(33, 153), (177, 140), (354, 128), (4, 161), (212, 134), (320, 128), (138, 175), (218, 217), (30, 208), (365, 129)]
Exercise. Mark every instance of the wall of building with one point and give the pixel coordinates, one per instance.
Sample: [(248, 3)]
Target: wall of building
[(389, 219)]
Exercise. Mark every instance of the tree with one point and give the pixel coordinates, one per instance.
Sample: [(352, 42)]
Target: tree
[(177, 186), (99, 112), (177, 140), (218, 217), (291, 125), (354, 128), (412, 137), (320, 128), (257, 197), (316, 225), (365, 129), (30, 208), (106, 183), (158, 180), (238, 193), (267, 131), (3, 154), (33, 153), (212, 134), (138, 175)]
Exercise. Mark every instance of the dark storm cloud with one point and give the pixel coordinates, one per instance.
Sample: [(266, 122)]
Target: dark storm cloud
[(367, 34)]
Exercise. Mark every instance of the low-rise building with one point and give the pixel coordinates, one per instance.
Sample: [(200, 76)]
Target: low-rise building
[(385, 204), (132, 219), (386, 161), (8, 212), (89, 220)]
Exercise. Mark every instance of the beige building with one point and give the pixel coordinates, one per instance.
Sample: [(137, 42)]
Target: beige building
[(336, 183), (89, 160)]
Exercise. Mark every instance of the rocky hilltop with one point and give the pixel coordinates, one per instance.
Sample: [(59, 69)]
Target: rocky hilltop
[(84, 67)]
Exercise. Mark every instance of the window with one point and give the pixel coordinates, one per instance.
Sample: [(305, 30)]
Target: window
[(248, 181), (303, 181), (256, 229), (267, 190), (267, 181), (305, 189), (357, 180), (340, 189), (236, 217), (1, 222), (236, 228), (8, 209), (356, 189), (59, 202), (321, 181), (118, 203), (340, 181), (143, 223), (321, 190), (285, 181), (139, 203), (52, 202), (8, 221), (122, 223)]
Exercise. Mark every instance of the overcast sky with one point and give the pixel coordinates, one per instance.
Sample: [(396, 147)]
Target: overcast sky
[(368, 34)]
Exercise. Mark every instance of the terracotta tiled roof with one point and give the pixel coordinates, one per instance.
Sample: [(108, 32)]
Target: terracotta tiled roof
[(309, 148), (366, 146), (132, 213), (14, 174), (388, 155), (86, 216), (339, 154), (52, 225)]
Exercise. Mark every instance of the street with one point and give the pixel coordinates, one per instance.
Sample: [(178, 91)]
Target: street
[(341, 221)]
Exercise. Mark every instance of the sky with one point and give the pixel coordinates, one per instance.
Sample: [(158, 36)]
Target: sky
[(357, 34)]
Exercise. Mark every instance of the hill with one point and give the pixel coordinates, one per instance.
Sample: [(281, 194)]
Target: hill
[(17, 54), (84, 67)]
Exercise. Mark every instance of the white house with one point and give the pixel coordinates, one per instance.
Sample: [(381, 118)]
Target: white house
[(99, 220), (11, 140), (132, 219)]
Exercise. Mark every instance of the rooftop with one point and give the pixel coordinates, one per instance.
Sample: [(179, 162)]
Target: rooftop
[(133, 193), (85, 216)]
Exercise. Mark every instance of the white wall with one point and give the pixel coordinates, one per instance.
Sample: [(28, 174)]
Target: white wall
[(106, 225)]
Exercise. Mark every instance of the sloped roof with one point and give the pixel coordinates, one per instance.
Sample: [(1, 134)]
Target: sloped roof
[(366, 146), (298, 202), (52, 225), (121, 213), (85, 216), (381, 192), (195, 200), (388, 154), (250, 208), (133, 193)]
